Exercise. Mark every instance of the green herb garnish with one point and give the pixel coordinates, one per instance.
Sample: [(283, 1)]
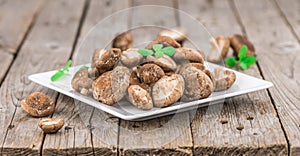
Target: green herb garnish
[(84, 68), (245, 61), (61, 72), (159, 51)]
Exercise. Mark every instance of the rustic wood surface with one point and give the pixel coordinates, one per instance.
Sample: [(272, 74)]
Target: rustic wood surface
[(47, 47), (274, 40), (37, 36), (246, 124)]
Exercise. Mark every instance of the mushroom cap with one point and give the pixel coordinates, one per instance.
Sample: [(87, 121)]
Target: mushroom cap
[(223, 78), (199, 66), (165, 62), (220, 47), (150, 73), (123, 41), (237, 41), (164, 40), (38, 105), (131, 57), (197, 84), (107, 59), (111, 86), (168, 90), (51, 125), (139, 97), (81, 80), (186, 55), (179, 33)]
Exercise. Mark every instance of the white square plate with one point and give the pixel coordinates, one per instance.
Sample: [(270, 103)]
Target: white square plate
[(243, 84)]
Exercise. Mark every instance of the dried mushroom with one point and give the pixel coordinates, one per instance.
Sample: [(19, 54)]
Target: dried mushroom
[(178, 34), (220, 47), (168, 90), (165, 41), (111, 86), (38, 105), (131, 57), (185, 55), (199, 66), (123, 41), (197, 84), (81, 82), (237, 41), (51, 125), (139, 97), (149, 73), (105, 60), (223, 78), (165, 62)]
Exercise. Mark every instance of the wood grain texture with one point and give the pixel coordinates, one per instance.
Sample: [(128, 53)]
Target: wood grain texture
[(5, 61), (15, 19), (165, 135), (47, 47), (244, 125), (88, 131), (278, 60), (104, 126)]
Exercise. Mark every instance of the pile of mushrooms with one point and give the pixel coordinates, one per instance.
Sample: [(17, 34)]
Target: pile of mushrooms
[(149, 81)]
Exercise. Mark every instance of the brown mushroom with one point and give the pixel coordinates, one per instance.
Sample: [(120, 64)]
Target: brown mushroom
[(223, 78), (38, 105), (51, 125), (165, 62), (185, 55), (111, 86), (149, 73), (105, 60), (168, 90), (165, 41), (131, 57), (178, 34), (139, 97), (237, 41), (199, 66), (123, 41), (81, 82), (197, 84), (220, 47)]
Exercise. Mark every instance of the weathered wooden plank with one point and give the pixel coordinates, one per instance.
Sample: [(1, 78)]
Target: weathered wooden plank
[(15, 19), (89, 131), (290, 10), (48, 47), (278, 59), (5, 61), (244, 125), (162, 136)]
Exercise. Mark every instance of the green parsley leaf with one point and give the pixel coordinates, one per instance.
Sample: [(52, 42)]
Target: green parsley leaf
[(248, 60), (159, 53), (57, 75), (242, 52), (145, 52), (61, 72), (157, 47), (68, 65), (170, 51), (243, 66), (231, 62)]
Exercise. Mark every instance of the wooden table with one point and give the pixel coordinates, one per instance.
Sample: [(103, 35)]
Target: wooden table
[(38, 36)]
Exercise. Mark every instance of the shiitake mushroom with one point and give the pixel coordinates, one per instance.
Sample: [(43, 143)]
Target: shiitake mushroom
[(111, 86), (197, 84)]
